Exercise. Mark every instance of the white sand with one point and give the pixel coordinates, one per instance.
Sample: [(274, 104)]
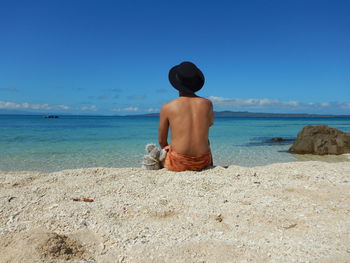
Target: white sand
[(291, 212)]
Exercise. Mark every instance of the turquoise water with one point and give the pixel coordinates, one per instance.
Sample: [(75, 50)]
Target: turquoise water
[(35, 143)]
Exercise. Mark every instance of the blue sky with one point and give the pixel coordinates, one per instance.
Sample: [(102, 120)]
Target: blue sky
[(113, 57)]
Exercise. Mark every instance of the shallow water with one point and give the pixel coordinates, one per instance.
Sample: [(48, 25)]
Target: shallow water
[(35, 143)]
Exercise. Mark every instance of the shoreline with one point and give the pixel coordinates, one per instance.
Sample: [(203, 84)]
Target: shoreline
[(283, 212), (301, 158)]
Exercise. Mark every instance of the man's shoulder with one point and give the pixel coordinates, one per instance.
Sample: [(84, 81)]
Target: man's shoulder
[(206, 100), (167, 107), (178, 101), (168, 104)]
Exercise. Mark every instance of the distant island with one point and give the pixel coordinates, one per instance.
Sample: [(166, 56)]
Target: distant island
[(217, 114), (258, 114)]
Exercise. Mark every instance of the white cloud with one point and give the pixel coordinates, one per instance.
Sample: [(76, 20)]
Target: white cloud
[(63, 107), (131, 109), (136, 109), (88, 108), (264, 103), (325, 104), (255, 102), (345, 106), (25, 106), (126, 109), (152, 110), (8, 105)]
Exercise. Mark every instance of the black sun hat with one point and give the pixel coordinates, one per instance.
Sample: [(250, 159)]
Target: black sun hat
[(186, 77)]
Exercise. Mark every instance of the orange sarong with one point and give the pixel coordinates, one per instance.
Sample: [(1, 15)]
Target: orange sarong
[(178, 162)]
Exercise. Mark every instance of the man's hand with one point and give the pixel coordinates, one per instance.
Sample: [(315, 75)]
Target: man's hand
[(163, 127)]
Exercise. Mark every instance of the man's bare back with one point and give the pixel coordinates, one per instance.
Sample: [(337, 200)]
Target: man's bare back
[(189, 119)]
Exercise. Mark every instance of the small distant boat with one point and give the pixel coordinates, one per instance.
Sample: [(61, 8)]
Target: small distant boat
[(51, 117)]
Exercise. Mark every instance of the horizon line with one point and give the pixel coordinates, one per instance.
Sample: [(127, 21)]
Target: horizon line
[(154, 114)]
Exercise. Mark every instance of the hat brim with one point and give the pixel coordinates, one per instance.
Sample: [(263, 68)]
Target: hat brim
[(179, 86)]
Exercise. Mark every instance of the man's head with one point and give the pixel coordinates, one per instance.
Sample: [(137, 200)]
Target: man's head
[(186, 77)]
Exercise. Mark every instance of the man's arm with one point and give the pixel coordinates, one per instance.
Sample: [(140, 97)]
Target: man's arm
[(211, 115), (163, 127)]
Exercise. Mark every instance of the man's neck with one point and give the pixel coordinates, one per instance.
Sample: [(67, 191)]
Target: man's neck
[(186, 94)]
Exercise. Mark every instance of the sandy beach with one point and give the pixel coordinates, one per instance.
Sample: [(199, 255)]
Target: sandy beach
[(286, 212)]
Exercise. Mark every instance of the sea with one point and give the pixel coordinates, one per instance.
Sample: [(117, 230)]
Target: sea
[(35, 143)]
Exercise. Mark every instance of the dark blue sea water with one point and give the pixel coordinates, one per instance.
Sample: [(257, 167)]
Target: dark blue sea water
[(35, 143)]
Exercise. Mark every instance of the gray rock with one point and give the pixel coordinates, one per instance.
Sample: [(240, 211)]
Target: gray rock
[(277, 139), (321, 140)]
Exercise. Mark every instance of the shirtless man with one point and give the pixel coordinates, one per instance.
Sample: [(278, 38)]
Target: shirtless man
[(189, 118)]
